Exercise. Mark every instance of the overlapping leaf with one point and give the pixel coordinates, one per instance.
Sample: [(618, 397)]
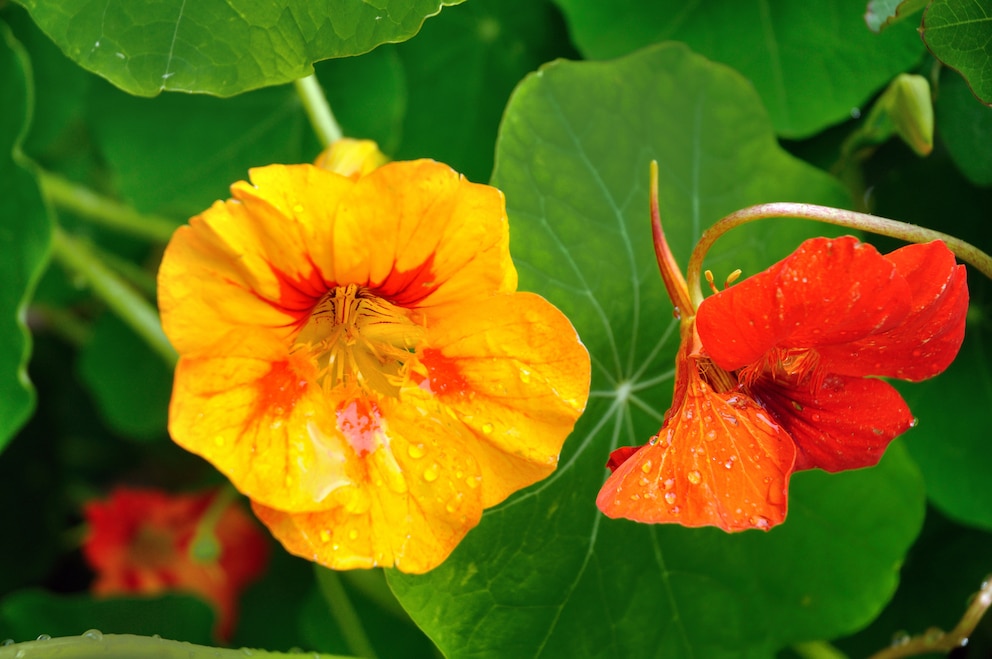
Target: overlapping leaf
[(812, 62), (546, 574), (965, 126), (220, 47), (959, 34), (24, 238)]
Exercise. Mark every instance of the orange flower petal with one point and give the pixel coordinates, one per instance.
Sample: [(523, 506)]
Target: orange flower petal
[(421, 495), (719, 460), (511, 369), (422, 223)]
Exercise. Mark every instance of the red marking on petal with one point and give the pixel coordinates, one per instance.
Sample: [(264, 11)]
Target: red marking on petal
[(410, 287), (279, 390), (359, 421), (620, 455), (443, 376)]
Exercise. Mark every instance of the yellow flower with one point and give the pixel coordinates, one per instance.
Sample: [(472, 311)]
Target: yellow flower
[(355, 359)]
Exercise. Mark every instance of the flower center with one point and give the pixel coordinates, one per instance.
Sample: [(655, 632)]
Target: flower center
[(789, 366), (356, 337)]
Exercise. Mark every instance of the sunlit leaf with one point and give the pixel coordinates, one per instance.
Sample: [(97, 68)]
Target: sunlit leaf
[(812, 62), (220, 47), (25, 237), (546, 574), (959, 34), (880, 14)]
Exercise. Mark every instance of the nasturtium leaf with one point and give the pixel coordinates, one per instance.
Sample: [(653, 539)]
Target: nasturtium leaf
[(25, 237), (460, 71), (951, 443), (880, 14), (546, 574), (965, 126), (812, 62), (26, 614), (220, 47), (129, 382), (959, 34)]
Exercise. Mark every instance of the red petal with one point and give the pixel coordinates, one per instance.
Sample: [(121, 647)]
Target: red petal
[(719, 461), (846, 424), (928, 340), (826, 292)]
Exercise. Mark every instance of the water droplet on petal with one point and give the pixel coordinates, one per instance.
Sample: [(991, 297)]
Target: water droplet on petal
[(44, 637), (677, 313), (415, 451), (730, 462), (430, 474), (710, 435), (353, 534), (325, 536), (669, 483), (687, 415), (694, 477), (670, 497), (759, 522), (487, 428), (646, 467), (93, 634), (915, 422), (674, 510), (524, 375)]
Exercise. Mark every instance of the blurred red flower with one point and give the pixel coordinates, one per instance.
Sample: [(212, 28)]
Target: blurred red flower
[(148, 542)]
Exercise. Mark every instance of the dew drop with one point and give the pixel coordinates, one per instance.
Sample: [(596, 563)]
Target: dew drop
[(669, 483), (900, 639), (670, 497), (694, 477), (473, 481), (710, 435), (759, 522), (646, 467), (730, 462), (677, 313), (276, 424), (298, 208), (353, 534), (487, 428), (6, 642), (415, 451), (93, 634), (430, 474), (914, 422), (635, 497), (44, 637), (524, 375), (687, 415), (325, 536), (674, 510)]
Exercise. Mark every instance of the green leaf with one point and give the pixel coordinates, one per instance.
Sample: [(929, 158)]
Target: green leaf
[(950, 444), (25, 237), (959, 34), (219, 47), (800, 56), (131, 384), (966, 129), (883, 13), (546, 574), (26, 614), (460, 71)]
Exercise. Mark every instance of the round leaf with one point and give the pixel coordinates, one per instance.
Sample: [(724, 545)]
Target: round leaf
[(217, 46), (546, 574), (812, 62), (959, 34)]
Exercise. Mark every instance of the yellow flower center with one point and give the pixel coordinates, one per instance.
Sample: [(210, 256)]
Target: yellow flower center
[(356, 337)]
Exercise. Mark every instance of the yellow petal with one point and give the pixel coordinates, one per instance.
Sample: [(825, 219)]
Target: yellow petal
[(512, 369), (420, 234), (350, 157), (422, 496)]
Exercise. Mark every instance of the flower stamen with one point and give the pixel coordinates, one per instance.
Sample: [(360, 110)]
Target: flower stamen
[(357, 337)]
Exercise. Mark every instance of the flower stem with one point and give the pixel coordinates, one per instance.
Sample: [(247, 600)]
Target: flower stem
[(81, 261), (817, 650), (671, 274), (344, 613), (319, 110), (845, 218), (104, 211), (934, 640), (94, 645)]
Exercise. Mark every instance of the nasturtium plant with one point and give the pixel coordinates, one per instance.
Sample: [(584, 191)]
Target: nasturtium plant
[(528, 328)]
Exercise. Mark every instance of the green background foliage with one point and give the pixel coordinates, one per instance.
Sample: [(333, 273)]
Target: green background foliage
[(562, 104)]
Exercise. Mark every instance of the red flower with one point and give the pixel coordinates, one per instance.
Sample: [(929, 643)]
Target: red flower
[(146, 542), (775, 375)]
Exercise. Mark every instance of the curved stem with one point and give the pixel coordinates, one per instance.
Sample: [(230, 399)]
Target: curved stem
[(133, 309), (934, 640), (94, 645), (104, 211), (318, 109), (344, 613), (671, 274), (845, 218)]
